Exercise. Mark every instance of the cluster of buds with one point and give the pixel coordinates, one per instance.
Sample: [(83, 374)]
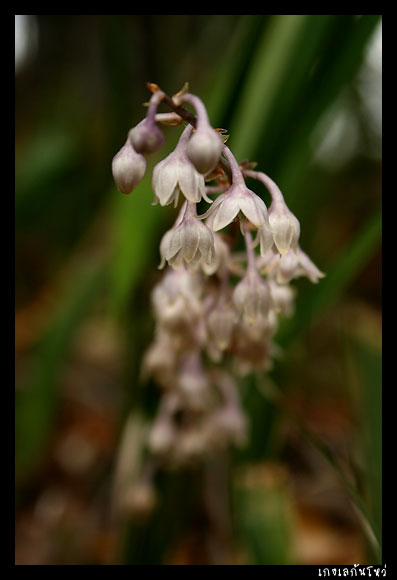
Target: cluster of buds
[(226, 281)]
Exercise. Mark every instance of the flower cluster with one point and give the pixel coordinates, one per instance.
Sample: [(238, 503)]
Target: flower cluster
[(227, 278)]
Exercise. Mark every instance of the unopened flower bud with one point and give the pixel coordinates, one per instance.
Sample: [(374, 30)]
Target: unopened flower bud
[(128, 168), (205, 146), (146, 137), (204, 149)]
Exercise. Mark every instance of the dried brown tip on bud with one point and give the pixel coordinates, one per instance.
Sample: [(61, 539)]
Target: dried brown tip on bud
[(223, 134), (153, 87)]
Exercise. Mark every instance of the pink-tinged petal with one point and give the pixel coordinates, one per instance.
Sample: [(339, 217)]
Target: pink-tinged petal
[(174, 243), (266, 239), (190, 239), (195, 262), (213, 207), (190, 182), (207, 246), (287, 267), (281, 227), (164, 247), (254, 208), (165, 180), (296, 231), (308, 268), (176, 261), (225, 212)]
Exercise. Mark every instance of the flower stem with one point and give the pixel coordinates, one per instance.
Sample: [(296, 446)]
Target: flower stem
[(272, 187), (202, 115), (237, 176), (155, 100)]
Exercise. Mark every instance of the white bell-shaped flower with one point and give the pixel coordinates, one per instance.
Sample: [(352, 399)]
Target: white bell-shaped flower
[(238, 198), (284, 226), (176, 175), (190, 241)]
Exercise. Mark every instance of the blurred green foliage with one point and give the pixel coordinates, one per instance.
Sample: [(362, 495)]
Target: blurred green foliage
[(269, 80)]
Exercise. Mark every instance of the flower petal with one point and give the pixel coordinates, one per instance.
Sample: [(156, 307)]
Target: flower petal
[(174, 244), (226, 212), (164, 180), (308, 268), (190, 239), (207, 246), (190, 181), (253, 207)]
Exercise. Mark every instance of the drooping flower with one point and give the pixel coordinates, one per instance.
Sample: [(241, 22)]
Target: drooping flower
[(176, 175), (146, 137), (293, 264), (189, 242), (284, 226), (238, 198)]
